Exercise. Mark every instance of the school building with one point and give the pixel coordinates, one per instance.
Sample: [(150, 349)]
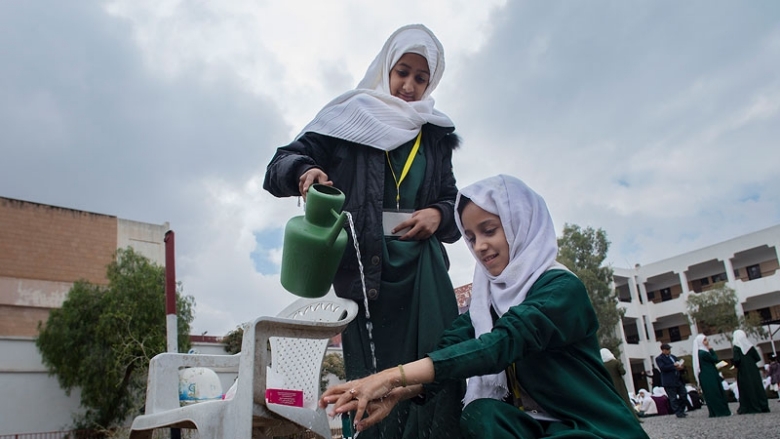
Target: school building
[(654, 297)]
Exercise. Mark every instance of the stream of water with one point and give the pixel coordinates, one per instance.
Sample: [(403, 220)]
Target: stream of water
[(369, 325)]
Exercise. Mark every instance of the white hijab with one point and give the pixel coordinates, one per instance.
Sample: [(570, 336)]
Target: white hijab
[(370, 115), (606, 355), (533, 247), (740, 339), (698, 345)]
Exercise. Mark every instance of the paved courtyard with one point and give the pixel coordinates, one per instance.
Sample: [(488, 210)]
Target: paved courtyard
[(699, 426)]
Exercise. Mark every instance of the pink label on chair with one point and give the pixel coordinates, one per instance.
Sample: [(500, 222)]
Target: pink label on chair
[(284, 397)]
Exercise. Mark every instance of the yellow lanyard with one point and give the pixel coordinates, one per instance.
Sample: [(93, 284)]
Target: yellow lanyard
[(405, 171)]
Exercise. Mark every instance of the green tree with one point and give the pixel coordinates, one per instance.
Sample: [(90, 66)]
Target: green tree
[(333, 363), (583, 251), (103, 336), (715, 314), (233, 341)]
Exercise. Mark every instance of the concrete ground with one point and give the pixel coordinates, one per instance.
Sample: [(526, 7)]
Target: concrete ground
[(698, 425)]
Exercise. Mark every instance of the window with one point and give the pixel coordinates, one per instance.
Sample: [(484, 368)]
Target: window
[(720, 277), (704, 281), (659, 334), (650, 296), (674, 334), (666, 294), (753, 272), (765, 313)]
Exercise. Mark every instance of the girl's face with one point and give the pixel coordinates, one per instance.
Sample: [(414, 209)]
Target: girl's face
[(705, 342), (409, 77), (485, 234)]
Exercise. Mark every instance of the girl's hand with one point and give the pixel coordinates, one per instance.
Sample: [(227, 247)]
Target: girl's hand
[(423, 223), (357, 395), (363, 390), (375, 395), (313, 175), (376, 410)]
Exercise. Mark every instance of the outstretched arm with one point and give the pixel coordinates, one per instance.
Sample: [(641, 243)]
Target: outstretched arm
[(375, 395)]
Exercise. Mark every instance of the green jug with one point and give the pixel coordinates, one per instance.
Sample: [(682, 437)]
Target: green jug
[(314, 243)]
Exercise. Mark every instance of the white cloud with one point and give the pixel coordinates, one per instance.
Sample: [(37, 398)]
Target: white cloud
[(659, 128)]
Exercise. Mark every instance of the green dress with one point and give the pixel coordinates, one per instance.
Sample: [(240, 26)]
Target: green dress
[(616, 371), (417, 304), (712, 385), (752, 396), (551, 339)]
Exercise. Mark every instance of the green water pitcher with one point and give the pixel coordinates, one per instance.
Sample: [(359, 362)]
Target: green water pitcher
[(314, 243)]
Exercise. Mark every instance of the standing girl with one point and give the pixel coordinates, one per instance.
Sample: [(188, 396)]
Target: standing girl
[(389, 150), (708, 377), (752, 396)]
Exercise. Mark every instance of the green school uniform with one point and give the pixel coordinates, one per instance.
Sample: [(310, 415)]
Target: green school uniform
[(551, 339), (416, 305), (712, 385), (752, 396)]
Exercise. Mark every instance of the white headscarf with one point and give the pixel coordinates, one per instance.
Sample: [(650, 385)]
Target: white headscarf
[(606, 355), (370, 115), (698, 345), (740, 339), (533, 247)]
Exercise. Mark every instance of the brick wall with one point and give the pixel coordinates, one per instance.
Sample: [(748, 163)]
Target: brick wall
[(44, 242)]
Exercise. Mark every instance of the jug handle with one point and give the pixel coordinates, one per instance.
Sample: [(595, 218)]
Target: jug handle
[(337, 226)]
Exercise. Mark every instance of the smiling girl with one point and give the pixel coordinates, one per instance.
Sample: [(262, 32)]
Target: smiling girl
[(528, 342)]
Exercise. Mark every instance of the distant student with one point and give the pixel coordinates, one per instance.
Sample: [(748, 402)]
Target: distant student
[(646, 406), (708, 377), (752, 396)]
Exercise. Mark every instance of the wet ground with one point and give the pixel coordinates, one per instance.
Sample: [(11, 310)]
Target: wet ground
[(698, 425)]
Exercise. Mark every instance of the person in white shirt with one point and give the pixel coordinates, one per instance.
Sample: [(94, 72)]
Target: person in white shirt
[(646, 406)]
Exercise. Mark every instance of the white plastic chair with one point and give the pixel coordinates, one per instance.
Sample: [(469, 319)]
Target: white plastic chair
[(290, 347)]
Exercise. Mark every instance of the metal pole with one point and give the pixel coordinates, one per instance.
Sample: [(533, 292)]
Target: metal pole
[(170, 304)]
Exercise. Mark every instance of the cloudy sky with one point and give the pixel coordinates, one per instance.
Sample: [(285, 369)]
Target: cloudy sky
[(656, 121)]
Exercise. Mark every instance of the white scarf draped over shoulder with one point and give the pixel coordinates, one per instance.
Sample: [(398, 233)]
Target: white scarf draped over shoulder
[(606, 355), (740, 339), (533, 248), (698, 345), (370, 115)]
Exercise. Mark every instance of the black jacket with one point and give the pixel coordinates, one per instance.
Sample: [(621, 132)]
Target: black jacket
[(359, 171), (670, 376)]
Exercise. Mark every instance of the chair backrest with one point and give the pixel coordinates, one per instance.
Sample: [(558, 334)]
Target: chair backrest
[(297, 362)]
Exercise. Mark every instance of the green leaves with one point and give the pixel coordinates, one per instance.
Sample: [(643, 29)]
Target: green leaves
[(103, 337), (715, 313), (583, 251)]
